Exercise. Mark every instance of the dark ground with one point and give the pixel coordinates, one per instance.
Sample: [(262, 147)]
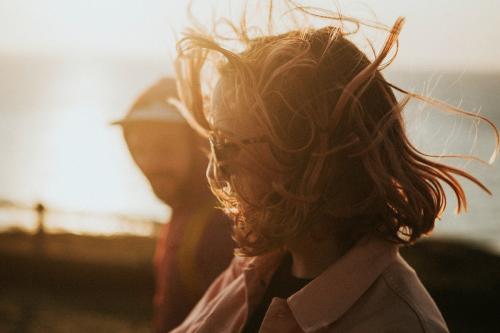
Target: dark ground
[(71, 283)]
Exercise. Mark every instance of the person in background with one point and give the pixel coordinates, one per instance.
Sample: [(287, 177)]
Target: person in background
[(195, 246)]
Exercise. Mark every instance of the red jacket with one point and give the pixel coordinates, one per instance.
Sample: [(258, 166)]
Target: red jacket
[(192, 250)]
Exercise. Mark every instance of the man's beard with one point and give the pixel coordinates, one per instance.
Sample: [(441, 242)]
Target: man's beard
[(180, 192)]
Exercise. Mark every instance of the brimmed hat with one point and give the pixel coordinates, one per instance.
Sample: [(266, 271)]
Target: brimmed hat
[(152, 105)]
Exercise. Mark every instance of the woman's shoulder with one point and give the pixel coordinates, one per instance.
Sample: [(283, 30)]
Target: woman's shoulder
[(396, 302), (408, 300)]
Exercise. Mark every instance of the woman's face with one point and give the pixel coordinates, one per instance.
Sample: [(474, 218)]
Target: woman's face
[(247, 162)]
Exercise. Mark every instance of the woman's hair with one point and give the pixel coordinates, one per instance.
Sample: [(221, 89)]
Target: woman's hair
[(335, 130)]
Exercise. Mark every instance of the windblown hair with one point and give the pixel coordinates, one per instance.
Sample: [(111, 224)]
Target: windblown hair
[(335, 129)]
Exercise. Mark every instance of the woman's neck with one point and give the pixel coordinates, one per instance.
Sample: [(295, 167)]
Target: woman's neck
[(310, 256)]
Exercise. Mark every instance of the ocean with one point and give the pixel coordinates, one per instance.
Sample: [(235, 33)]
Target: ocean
[(58, 148)]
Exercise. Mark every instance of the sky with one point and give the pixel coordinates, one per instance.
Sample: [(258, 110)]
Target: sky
[(439, 34), (85, 95)]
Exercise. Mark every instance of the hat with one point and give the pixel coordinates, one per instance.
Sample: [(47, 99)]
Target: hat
[(153, 106)]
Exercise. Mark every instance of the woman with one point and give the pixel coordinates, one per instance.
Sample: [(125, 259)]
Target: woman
[(311, 160)]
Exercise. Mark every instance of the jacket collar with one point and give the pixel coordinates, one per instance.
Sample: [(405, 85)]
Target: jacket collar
[(263, 267), (325, 299)]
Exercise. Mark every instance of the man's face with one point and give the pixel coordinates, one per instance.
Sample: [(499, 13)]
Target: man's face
[(164, 153)]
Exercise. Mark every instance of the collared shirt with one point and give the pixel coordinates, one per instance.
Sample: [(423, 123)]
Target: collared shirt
[(369, 289)]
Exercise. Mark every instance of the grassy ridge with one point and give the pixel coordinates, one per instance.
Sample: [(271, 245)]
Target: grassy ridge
[(73, 283)]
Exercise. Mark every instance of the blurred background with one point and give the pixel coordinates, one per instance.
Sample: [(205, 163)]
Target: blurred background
[(77, 219)]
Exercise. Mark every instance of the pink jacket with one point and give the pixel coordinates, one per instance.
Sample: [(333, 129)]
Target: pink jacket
[(370, 289)]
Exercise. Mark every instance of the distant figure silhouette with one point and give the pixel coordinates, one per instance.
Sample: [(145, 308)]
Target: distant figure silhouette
[(40, 210), (195, 246), (39, 237)]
